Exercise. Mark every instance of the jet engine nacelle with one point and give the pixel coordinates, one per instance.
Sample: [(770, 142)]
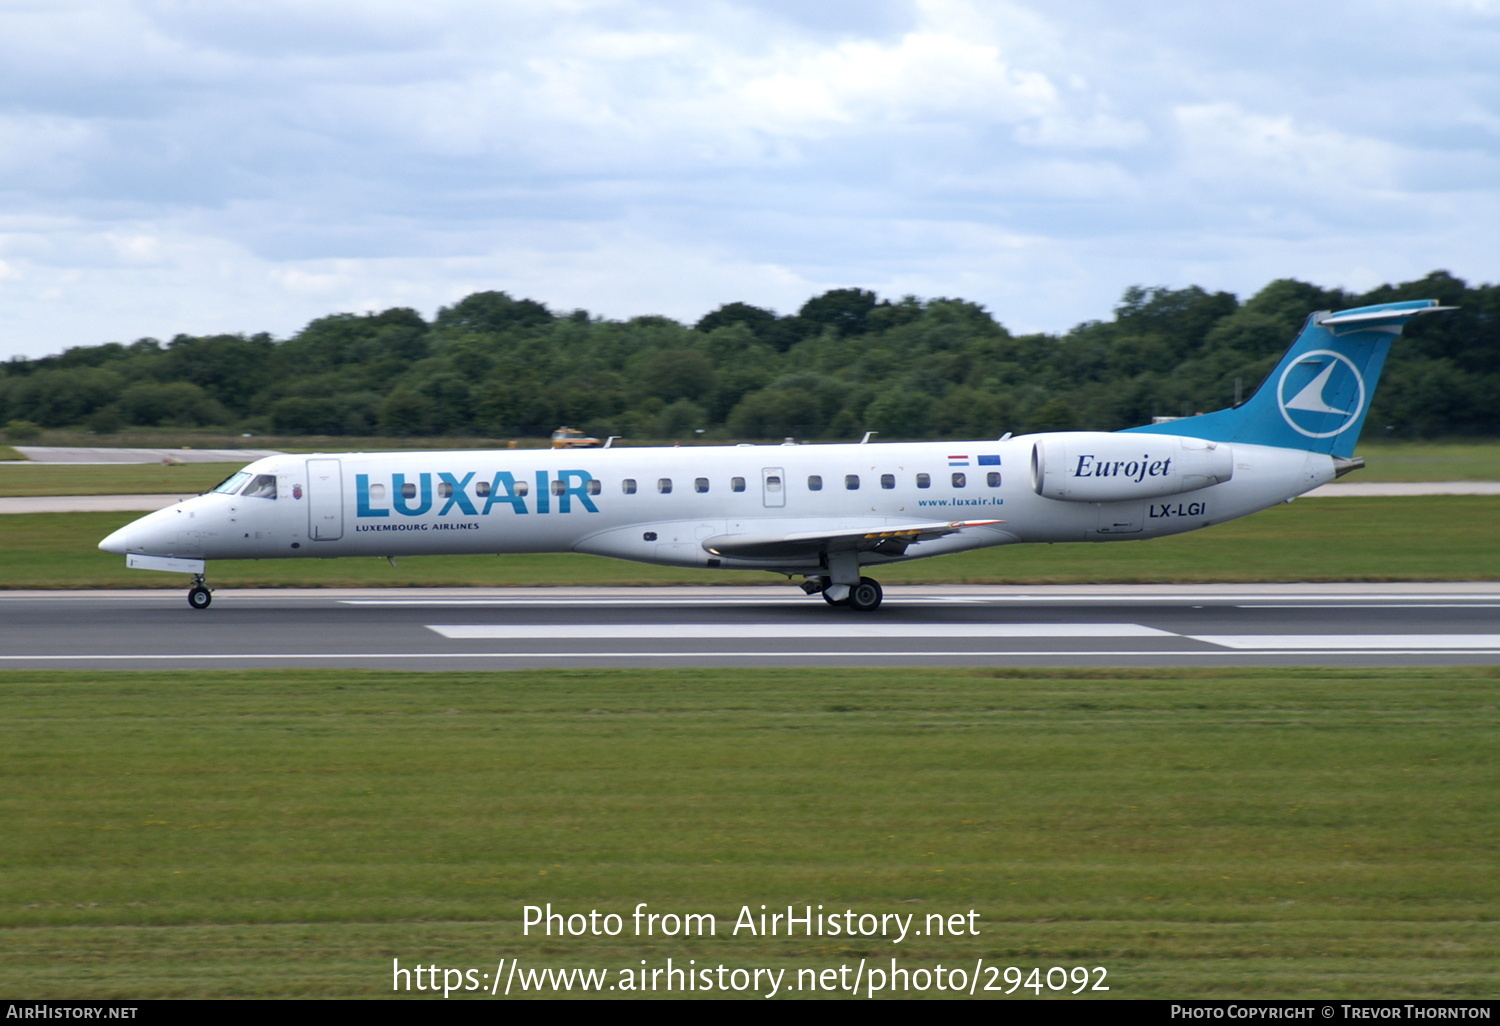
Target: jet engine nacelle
[(1095, 466)]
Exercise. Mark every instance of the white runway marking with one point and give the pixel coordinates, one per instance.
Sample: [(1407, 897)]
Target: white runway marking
[(1374, 605), (1354, 642), (781, 631), (783, 598)]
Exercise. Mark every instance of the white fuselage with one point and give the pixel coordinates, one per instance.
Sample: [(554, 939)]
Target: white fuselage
[(659, 505)]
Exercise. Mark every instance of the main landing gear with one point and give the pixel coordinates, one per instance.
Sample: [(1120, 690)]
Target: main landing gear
[(863, 597), (199, 596)]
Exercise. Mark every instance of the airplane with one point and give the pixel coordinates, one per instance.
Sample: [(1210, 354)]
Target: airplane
[(821, 512)]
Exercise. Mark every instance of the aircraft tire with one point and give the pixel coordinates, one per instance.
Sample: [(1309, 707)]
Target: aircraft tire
[(866, 596), (200, 597), (835, 602)]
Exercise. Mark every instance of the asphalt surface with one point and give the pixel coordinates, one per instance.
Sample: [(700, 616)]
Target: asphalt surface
[(448, 629)]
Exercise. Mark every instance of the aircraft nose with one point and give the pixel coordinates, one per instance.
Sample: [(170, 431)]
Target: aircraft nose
[(119, 542), (148, 534)]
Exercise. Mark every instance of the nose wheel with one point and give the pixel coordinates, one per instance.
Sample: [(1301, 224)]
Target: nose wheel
[(199, 596)]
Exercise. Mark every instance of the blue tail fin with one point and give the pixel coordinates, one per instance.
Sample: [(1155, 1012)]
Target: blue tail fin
[(1317, 397)]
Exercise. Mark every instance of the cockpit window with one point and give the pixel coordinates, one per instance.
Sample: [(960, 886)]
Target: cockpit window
[(231, 484), (263, 487)]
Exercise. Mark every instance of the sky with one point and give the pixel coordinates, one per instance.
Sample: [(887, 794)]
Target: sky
[(174, 166)]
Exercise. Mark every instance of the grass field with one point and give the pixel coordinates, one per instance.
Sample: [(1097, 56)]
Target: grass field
[(112, 478), (1429, 461), (1424, 538), (1308, 833)]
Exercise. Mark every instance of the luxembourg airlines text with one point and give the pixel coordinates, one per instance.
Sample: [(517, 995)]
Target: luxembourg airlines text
[(416, 498)]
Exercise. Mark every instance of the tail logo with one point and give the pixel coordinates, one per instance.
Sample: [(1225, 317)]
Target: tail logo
[(1319, 384)]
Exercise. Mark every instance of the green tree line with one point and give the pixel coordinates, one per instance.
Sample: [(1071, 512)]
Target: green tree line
[(847, 362)]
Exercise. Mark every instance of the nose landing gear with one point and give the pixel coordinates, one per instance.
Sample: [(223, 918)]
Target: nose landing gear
[(199, 596)]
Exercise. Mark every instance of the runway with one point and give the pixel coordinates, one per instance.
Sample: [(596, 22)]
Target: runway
[(453, 629)]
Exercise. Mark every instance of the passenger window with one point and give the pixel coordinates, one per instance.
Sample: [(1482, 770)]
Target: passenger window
[(959, 480), (558, 487), (482, 489), (736, 484), (992, 479), (887, 480), (523, 488), (409, 490), (592, 487), (700, 485), (773, 483), (664, 485), (851, 482), (814, 482), (377, 493), (628, 486), (445, 490), (924, 481), (263, 487)]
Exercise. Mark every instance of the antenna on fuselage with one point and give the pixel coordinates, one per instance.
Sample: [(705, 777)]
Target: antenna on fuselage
[(868, 436)]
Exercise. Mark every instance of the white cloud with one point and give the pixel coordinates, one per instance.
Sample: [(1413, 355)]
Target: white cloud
[(137, 250), (1092, 132), (1236, 150), (927, 75)]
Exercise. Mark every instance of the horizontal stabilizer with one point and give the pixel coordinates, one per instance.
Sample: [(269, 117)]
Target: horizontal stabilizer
[(889, 541), (1392, 316)]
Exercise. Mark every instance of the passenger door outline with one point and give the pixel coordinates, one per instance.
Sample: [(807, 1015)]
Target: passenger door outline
[(325, 500)]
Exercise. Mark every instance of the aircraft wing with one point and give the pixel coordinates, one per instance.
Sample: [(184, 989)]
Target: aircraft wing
[(888, 541)]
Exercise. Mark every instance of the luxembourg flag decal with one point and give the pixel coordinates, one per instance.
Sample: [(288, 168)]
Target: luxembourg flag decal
[(958, 461)]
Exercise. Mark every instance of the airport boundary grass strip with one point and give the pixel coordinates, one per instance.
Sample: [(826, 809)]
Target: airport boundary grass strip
[(1200, 833), (35, 479), (1429, 461), (1419, 538)]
